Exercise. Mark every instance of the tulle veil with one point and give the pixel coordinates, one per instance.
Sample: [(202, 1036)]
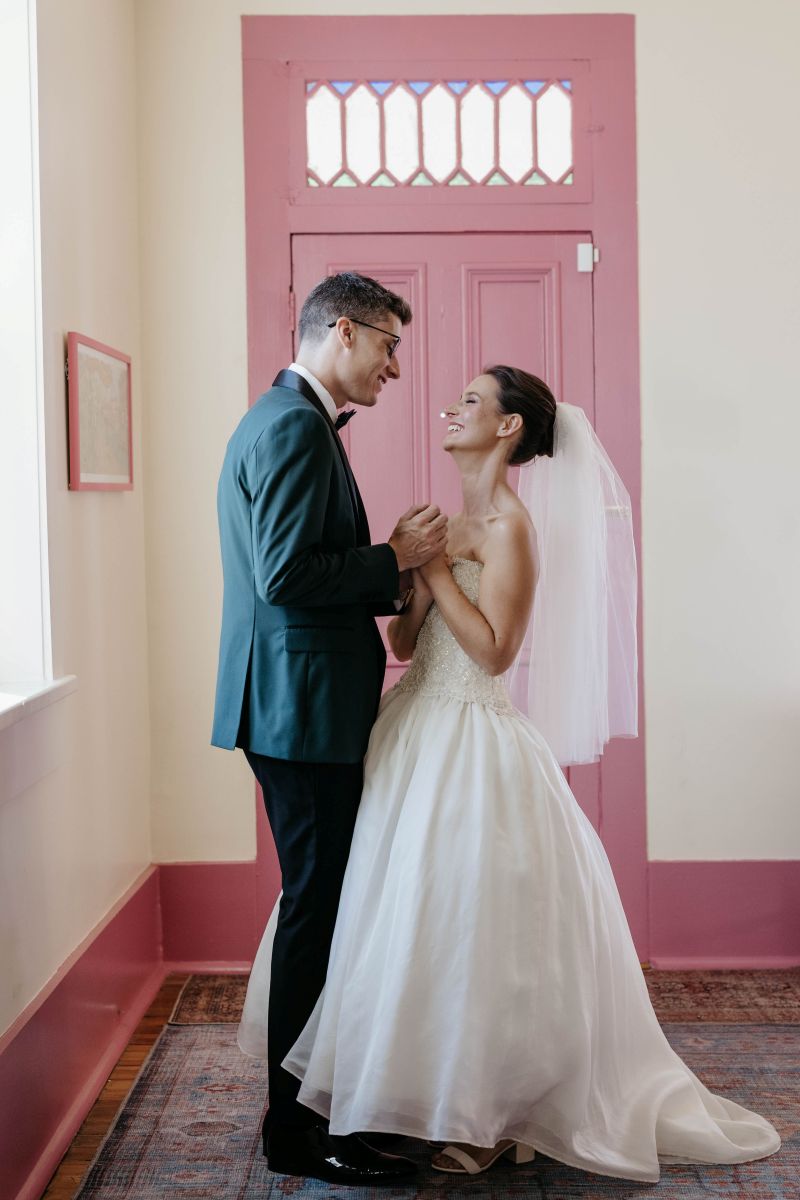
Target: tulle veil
[(580, 651)]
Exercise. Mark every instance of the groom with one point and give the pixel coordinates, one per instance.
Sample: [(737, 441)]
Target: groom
[(301, 661)]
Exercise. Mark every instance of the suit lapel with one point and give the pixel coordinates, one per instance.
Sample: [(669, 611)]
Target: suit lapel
[(289, 379)]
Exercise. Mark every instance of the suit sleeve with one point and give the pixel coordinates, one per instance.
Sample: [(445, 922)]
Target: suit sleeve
[(288, 475)]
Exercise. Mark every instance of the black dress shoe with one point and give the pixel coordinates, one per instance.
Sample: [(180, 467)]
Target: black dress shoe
[(318, 1155)]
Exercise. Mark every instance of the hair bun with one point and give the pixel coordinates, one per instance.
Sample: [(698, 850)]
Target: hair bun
[(520, 392), (547, 444)]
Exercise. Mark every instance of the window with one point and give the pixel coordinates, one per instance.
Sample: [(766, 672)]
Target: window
[(446, 133), (25, 654)]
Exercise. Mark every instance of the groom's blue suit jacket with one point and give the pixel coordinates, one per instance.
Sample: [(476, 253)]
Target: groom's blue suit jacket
[(301, 661)]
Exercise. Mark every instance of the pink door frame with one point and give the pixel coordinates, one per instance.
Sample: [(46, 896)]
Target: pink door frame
[(279, 53)]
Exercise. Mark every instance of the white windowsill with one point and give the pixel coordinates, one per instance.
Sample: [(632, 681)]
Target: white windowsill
[(19, 700)]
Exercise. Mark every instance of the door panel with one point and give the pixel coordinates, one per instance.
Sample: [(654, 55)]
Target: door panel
[(477, 299)]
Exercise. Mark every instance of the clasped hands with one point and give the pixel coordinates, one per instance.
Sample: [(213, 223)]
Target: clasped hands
[(419, 540)]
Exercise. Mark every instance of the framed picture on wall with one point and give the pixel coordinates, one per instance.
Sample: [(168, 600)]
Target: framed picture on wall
[(100, 441)]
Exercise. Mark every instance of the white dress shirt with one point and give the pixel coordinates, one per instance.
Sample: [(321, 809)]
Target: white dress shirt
[(332, 411), (322, 392)]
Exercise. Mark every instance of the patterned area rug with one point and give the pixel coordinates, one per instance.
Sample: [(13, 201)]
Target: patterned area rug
[(209, 999), (189, 1129), (737, 997)]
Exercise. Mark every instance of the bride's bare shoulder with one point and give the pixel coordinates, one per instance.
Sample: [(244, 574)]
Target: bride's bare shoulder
[(511, 532)]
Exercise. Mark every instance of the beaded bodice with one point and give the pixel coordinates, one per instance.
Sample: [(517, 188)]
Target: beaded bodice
[(441, 668)]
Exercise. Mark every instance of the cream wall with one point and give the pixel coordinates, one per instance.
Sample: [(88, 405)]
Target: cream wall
[(717, 84), (72, 843)]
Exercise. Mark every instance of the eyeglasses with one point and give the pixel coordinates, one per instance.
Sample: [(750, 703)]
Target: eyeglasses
[(390, 350)]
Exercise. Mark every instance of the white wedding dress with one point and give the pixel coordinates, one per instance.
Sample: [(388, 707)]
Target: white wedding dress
[(483, 983)]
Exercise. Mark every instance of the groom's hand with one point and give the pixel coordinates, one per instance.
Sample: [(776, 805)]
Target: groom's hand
[(419, 535)]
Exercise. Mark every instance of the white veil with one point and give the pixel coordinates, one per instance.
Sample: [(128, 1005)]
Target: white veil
[(582, 677)]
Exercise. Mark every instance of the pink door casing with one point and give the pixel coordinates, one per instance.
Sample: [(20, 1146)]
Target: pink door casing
[(508, 289)]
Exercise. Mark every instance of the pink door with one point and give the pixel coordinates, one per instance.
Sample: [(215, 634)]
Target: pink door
[(477, 299), (510, 289)]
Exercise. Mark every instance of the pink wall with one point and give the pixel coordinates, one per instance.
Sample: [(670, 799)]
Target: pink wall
[(56, 1057), (724, 914), (209, 914)]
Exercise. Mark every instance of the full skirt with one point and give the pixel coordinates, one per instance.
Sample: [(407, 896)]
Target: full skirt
[(483, 983)]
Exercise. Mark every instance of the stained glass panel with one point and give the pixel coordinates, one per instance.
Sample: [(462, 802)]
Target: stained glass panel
[(402, 140), (363, 124), (439, 132), (477, 132), (324, 134), (554, 132), (472, 132), (516, 133)]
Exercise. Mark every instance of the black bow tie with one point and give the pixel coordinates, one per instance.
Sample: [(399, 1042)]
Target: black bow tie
[(344, 417)]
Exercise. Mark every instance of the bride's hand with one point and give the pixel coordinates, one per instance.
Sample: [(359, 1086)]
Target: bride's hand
[(434, 569), (421, 589)]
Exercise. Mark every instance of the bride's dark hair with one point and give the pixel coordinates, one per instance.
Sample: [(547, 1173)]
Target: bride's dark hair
[(519, 392)]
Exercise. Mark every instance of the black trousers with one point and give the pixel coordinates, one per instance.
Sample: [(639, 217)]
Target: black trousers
[(312, 811)]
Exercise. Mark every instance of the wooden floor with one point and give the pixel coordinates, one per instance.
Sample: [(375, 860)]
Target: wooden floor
[(64, 1183)]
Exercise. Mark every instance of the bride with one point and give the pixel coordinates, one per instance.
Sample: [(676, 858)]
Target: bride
[(483, 989)]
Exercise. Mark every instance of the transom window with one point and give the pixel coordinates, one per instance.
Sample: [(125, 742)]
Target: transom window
[(439, 133)]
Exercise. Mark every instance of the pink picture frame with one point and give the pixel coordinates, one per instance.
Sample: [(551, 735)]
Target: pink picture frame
[(100, 422)]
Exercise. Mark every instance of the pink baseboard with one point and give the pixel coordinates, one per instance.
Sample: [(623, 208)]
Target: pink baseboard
[(207, 966), (724, 914), (702, 914), (209, 913), (59, 1053)]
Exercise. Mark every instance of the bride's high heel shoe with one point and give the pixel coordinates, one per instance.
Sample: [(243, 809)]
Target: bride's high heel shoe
[(518, 1152)]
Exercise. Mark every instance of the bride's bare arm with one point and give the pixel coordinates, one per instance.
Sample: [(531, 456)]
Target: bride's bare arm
[(402, 631), (491, 633)]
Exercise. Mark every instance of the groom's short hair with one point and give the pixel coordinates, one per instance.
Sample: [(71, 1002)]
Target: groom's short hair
[(348, 294)]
